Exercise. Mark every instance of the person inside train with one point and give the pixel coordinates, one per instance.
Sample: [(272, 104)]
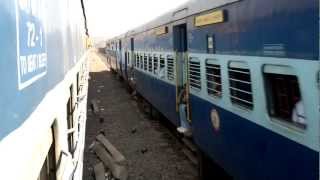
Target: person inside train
[(162, 73), (184, 127), (298, 115)]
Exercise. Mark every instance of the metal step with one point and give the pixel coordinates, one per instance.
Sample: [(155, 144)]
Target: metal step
[(189, 144), (191, 156)]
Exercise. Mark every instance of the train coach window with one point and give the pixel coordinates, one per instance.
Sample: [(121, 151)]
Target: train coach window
[(155, 64), (137, 61), (213, 75), (162, 71), (283, 96), (195, 74), (240, 84), (162, 62), (141, 61), (150, 63), (170, 68), (78, 83), (70, 121), (145, 63)]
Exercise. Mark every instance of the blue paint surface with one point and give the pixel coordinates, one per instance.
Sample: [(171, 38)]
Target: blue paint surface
[(248, 151), (149, 40), (62, 44), (289, 27), (159, 93), (286, 28)]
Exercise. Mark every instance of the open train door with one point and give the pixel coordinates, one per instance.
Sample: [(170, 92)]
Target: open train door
[(180, 43), (132, 62), (126, 64), (119, 57)]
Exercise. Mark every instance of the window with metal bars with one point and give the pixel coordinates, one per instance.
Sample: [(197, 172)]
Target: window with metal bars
[(162, 70), (162, 62), (155, 64), (150, 63), (213, 77), (170, 68), (145, 63), (141, 61), (283, 94), (240, 85), (137, 61), (195, 74), (70, 122)]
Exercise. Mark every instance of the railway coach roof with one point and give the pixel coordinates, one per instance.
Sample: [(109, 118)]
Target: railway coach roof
[(189, 8)]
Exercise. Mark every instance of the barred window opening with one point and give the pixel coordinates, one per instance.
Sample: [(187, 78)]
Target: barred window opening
[(240, 86), (145, 63), (150, 63), (141, 61), (213, 75), (195, 74), (155, 64), (137, 61), (170, 68)]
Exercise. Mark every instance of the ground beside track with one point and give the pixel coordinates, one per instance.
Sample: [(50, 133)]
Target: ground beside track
[(153, 153)]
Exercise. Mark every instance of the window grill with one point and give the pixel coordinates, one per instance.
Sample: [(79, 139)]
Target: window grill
[(150, 63), (70, 121), (155, 64), (145, 63), (170, 68), (213, 75), (162, 62), (141, 62), (137, 61), (195, 74), (240, 86)]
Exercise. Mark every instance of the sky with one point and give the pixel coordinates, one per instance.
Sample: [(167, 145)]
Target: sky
[(109, 18)]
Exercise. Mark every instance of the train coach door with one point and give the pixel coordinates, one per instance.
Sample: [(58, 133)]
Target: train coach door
[(120, 57), (132, 59), (181, 49), (126, 62)]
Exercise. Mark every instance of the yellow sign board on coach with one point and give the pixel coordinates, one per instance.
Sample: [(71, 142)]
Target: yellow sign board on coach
[(210, 18), (162, 30)]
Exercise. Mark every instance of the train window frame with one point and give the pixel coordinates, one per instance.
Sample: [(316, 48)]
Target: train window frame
[(70, 121), (213, 78), (137, 61), (145, 62), (193, 79), (280, 75), (155, 63), (170, 68), (240, 86), (162, 66), (141, 61), (162, 59), (150, 63)]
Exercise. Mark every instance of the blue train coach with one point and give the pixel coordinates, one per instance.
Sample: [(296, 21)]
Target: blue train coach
[(44, 73), (250, 69)]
